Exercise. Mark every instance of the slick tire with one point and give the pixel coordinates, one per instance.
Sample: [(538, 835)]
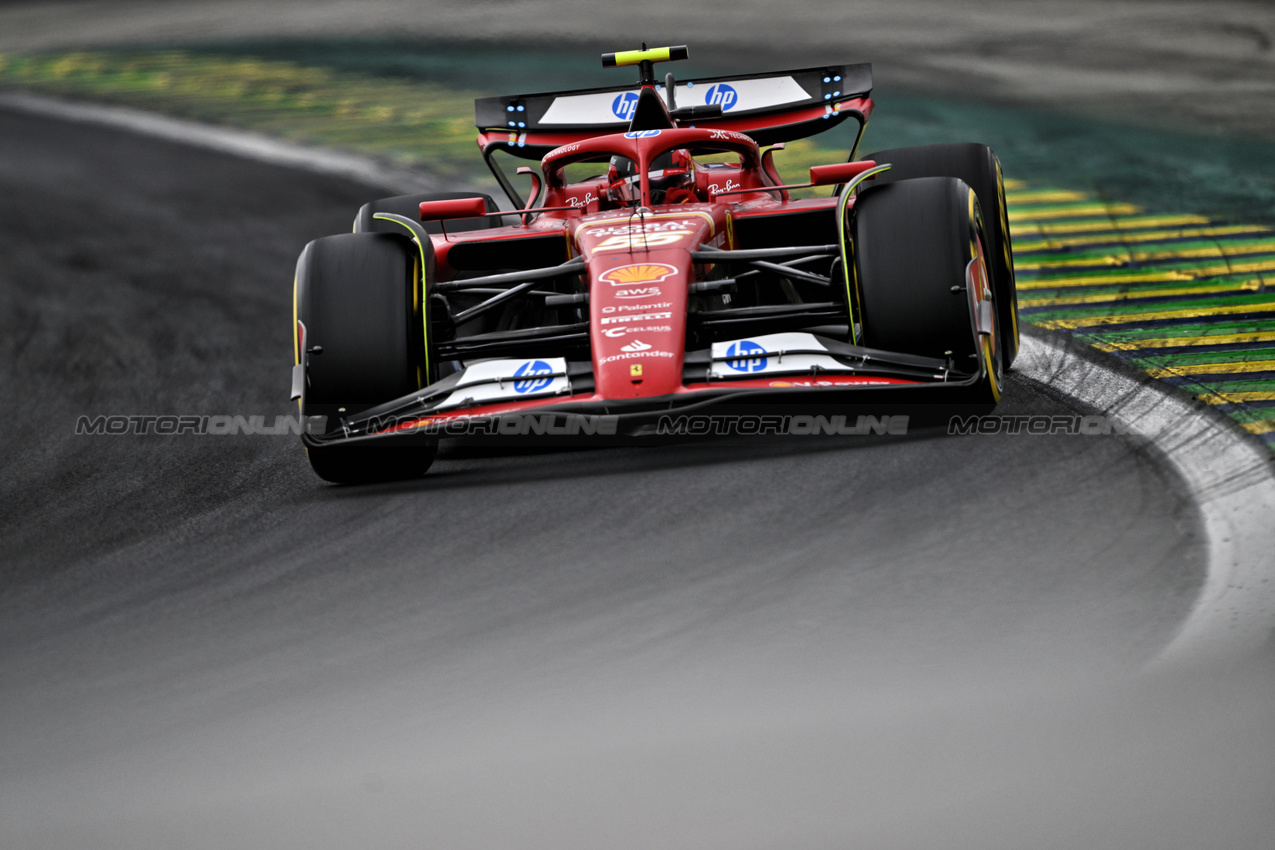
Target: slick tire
[(918, 245), (978, 166), (410, 206), (359, 299)]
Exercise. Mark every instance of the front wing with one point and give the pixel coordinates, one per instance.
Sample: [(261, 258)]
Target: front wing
[(771, 375)]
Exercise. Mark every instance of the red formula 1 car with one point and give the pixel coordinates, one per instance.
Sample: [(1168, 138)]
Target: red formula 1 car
[(659, 269)]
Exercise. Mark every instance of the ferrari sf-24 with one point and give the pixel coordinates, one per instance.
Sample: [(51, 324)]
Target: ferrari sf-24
[(657, 266)]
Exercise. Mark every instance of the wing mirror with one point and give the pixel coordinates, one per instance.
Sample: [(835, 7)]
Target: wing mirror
[(842, 172), (458, 208)]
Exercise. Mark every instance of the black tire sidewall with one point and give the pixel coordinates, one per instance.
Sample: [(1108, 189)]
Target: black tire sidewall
[(912, 245), (978, 166)]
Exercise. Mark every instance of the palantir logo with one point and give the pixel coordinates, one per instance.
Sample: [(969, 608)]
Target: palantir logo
[(533, 367), (624, 105), (744, 356), (723, 94)]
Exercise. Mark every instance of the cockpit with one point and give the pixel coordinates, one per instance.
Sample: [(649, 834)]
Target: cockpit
[(665, 168)]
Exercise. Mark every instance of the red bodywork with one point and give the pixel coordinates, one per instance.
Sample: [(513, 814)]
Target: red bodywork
[(639, 265)]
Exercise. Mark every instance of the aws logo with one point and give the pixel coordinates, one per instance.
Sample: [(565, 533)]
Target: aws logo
[(639, 292)]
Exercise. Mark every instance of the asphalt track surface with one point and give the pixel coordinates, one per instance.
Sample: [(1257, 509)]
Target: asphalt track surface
[(927, 641)]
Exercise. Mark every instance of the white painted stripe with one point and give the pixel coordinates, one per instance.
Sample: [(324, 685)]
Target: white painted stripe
[(241, 143), (1230, 479)]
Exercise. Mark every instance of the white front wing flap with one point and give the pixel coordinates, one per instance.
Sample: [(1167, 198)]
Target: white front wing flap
[(509, 380), (769, 355)]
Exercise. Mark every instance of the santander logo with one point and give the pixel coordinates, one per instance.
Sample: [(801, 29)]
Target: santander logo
[(636, 345)]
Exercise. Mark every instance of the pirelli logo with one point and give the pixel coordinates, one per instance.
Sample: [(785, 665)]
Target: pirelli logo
[(636, 317)]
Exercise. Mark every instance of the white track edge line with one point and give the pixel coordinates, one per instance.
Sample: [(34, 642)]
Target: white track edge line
[(254, 146), (1228, 475), (1229, 478)]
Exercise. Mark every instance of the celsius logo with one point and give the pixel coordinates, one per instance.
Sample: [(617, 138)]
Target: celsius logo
[(636, 345), (723, 94), (624, 105), (533, 367), (746, 356)]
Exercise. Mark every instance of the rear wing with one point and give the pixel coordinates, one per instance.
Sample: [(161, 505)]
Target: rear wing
[(772, 107)]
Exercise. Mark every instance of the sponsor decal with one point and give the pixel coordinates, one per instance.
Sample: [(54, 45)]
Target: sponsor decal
[(624, 105), (615, 333), (608, 107), (633, 355), (751, 357), (646, 226), (791, 353), (637, 273), (640, 134), (557, 152), (722, 94), (644, 292), (502, 379), (858, 382), (637, 317), (716, 188), (629, 308), (640, 241), (637, 345), (533, 367)]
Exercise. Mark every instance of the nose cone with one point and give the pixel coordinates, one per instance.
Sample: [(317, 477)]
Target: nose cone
[(638, 313), (640, 273)]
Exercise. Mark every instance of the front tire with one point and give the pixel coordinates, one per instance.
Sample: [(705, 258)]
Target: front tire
[(359, 298), (920, 276), (978, 166)]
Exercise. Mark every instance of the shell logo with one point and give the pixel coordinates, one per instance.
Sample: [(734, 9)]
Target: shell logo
[(637, 273)]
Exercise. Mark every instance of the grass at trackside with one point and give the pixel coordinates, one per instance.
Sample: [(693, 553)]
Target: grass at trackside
[(1191, 170), (411, 103), (410, 121)]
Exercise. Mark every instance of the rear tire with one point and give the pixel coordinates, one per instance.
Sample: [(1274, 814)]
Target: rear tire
[(410, 206), (978, 166), (914, 243), (359, 297)]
